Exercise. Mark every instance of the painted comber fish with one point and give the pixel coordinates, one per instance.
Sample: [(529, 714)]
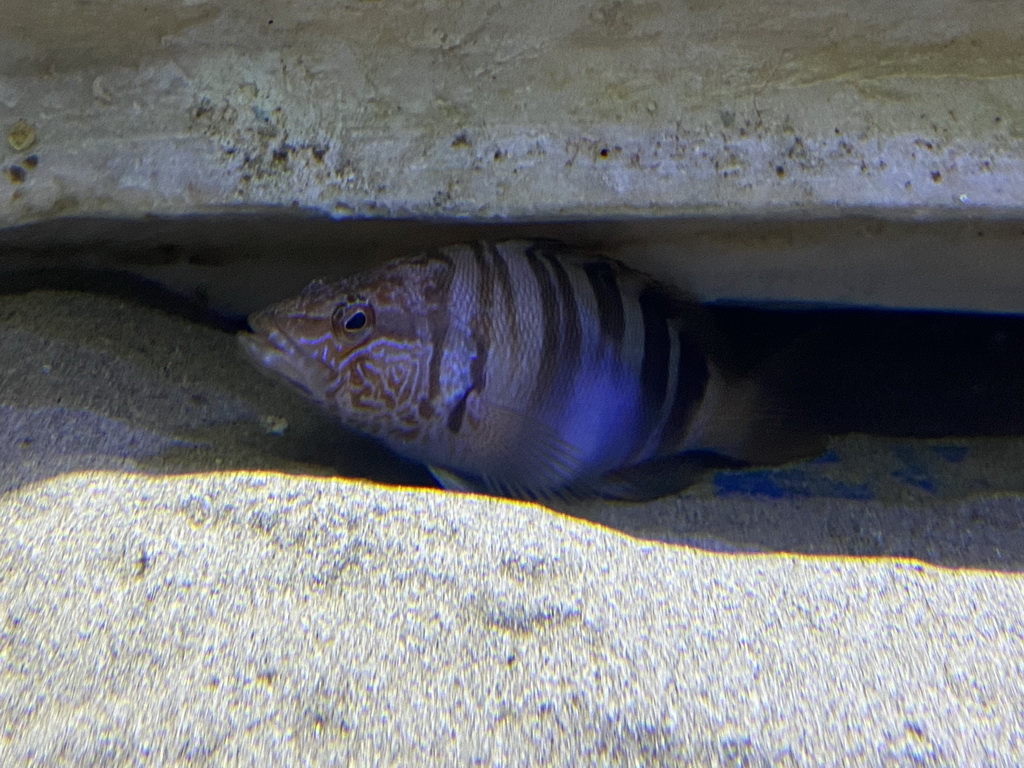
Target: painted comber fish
[(519, 368)]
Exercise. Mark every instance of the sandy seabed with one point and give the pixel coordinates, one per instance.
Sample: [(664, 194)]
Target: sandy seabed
[(188, 579)]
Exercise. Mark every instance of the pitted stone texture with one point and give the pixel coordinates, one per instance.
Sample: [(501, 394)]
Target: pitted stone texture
[(510, 110)]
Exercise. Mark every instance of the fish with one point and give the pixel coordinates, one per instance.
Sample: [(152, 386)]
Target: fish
[(522, 368)]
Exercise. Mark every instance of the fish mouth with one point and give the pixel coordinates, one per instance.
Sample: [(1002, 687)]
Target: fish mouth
[(277, 354)]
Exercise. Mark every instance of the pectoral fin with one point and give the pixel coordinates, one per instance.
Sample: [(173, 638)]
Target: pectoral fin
[(452, 481), (515, 454)]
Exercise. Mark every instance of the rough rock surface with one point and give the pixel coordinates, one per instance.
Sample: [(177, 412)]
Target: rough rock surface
[(510, 110), (266, 619)]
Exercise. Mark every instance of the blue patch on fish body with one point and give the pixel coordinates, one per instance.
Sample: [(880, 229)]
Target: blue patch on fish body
[(599, 417)]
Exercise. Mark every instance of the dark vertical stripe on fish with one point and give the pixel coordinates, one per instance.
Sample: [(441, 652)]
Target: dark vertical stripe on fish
[(572, 334), (504, 283), (690, 386), (483, 319), (457, 414), (656, 306), (438, 321), (610, 313), (547, 316)]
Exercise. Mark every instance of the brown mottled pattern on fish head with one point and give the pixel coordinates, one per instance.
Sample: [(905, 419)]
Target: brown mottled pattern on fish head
[(378, 371)]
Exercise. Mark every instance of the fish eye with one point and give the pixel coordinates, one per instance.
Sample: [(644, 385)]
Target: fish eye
[(356, 321), (352, 319)]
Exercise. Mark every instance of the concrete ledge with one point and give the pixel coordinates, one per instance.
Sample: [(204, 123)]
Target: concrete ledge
[(511, 111)]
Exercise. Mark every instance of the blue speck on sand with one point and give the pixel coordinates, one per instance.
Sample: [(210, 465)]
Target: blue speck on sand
[(750, 483), (918, 479), (828, 457), (786, 484), (914, 470)]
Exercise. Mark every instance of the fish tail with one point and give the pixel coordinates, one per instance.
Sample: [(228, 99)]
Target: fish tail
[(757, 418)]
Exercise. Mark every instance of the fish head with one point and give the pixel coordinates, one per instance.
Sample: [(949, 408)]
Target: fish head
[(360, 347)]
